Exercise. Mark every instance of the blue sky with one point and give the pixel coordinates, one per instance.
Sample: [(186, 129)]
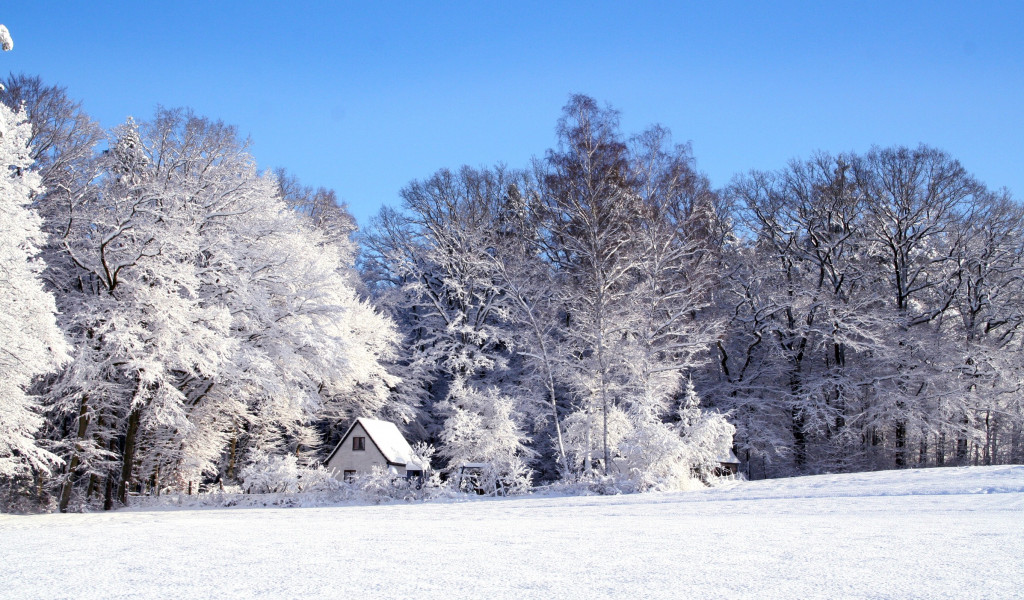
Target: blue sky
[(364, 97)]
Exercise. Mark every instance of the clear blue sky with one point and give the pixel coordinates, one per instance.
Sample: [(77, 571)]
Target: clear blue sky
[(363, 97)]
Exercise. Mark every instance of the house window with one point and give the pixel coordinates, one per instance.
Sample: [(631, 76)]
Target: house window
[(350, 475), (358, 443)]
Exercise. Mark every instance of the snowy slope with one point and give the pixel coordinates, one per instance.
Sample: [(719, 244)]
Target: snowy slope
[(940, 533)]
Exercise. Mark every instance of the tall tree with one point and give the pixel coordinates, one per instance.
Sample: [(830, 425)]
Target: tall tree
[(30, 342), (913, 198), (589, 213)]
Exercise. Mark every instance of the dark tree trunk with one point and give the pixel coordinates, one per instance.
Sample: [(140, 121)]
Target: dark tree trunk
[(231, 459), (108, 494), (1016, 445), (83, 424), (799, 439), (128, 456), (901, 444), (962, 451)]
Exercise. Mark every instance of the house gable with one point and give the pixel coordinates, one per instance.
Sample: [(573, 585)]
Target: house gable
[(387, 448)]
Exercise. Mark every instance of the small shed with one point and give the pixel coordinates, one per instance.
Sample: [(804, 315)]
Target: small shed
[(470, 477), (370, 443)]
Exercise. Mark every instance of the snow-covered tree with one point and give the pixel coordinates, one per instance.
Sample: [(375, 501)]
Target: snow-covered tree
[(805, 324), (589, 216), (30, 342), (913, 199), (630, 232), (434, 267), (212, 322)]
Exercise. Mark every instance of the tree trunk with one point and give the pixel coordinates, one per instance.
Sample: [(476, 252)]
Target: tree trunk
[(986, 459), (128, 455), (839, 352), (604, 389), (231, 459), (562, 460), (108, 494), (588, 462), (83, 423), (550, 381), (961, 451), (1017, 444), (901, 444), (799, 439)]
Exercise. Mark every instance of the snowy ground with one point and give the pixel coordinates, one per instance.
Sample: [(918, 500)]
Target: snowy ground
[(939, 533)]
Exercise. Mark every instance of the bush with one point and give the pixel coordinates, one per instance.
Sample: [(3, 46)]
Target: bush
[(282, 474)]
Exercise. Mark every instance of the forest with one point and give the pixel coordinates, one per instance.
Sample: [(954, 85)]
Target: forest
[(175, 317)]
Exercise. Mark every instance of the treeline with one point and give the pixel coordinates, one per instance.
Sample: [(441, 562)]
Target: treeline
[(173, 316), (846, 312)]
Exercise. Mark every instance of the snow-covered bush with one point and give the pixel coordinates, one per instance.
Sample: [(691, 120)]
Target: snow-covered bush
[(282, 474), (515, 478), (511, 478), (381, 485), (708, 436), (269, 474), (647, 453), (584, 434), (483, 427), (655, 456)]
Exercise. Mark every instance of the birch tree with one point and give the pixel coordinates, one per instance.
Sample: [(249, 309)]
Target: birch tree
[(588, 216)]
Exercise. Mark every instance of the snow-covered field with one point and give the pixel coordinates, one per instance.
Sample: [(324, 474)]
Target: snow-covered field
[(939, 533)]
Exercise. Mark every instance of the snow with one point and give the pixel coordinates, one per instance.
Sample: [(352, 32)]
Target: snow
[(938, 533), (5, 40), (391, 442)]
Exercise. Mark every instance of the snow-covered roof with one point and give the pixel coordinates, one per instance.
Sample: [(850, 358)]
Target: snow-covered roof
[(389, 440), (728, 458)]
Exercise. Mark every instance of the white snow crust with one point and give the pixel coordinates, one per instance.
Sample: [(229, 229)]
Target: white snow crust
[(938, 533)]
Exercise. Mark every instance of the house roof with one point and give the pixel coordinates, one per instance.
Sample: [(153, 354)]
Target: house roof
[(728, 458), (388, 439)]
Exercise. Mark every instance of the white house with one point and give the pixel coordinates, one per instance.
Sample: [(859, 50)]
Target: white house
[(370, 443)]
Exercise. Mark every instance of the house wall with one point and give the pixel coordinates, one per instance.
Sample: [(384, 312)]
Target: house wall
[(345, 459)]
